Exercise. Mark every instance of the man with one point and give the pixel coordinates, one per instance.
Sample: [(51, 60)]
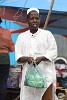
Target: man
[(36, 45), (6, 46)]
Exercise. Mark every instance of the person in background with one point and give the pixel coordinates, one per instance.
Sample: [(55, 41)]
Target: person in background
[(37, 46), (6, 46)]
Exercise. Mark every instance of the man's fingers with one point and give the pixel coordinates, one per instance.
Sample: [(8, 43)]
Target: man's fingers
[(30, 60)]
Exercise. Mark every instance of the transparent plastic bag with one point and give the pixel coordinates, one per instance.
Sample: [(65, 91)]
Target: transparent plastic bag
[(35, 77)]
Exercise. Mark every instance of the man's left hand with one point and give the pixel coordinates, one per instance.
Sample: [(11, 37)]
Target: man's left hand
[(38, 60)]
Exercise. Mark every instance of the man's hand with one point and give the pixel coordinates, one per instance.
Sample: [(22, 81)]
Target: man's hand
[(30, 60), (38, 60), (26, 59)]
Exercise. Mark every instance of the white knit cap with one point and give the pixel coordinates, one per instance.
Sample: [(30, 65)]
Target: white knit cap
[(31, 9)]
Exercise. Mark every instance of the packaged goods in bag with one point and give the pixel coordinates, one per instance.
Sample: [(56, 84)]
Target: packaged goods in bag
[(35, 77)]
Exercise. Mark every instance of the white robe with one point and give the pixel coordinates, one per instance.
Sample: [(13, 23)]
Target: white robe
[(42, 43)]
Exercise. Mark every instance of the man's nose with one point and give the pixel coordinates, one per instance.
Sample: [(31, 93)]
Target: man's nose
[(34, 19)]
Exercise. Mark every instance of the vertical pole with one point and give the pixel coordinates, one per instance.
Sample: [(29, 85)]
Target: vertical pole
[(47, 19)]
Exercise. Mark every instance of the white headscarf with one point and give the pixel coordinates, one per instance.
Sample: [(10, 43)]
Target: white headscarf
[(31, 9)]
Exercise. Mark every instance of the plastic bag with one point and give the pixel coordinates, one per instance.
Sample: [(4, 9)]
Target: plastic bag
[(35, 77)]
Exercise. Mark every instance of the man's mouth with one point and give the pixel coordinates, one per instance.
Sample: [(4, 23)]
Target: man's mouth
[(34, 25)]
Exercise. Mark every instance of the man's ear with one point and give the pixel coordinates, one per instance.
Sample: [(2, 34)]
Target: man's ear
[(27, 23), (26, 20)]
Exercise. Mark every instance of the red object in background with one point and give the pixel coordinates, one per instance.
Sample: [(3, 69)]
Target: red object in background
[(57, 84)]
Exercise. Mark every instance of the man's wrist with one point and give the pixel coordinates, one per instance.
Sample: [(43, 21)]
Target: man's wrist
[(44, 58)]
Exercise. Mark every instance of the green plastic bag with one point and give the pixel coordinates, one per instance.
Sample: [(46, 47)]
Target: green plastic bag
[(35, 77)]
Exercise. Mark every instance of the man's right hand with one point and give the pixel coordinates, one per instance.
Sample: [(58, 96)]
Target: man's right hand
[(30, 60), (26, 59)]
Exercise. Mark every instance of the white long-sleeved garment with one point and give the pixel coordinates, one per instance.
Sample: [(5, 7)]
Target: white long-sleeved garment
[(42, 43)]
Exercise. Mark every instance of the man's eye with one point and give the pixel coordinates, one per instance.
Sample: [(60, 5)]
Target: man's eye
[(31, 18), (37, 18), (34, 18)]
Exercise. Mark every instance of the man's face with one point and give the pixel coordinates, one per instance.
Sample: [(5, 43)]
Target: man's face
[(33, 20)]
